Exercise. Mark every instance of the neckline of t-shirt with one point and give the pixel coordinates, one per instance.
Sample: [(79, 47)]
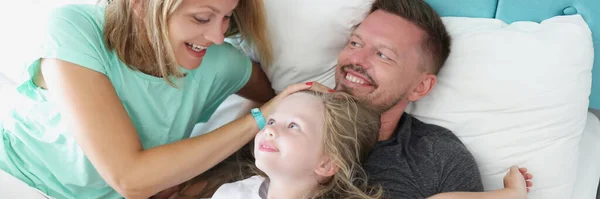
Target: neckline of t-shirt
[(156, 79)]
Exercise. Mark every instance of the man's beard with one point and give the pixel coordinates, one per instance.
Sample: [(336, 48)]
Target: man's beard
[(368, 100)]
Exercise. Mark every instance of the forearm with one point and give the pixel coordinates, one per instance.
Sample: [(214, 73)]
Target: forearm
[(497, 194), (103, 130), (162, 167)]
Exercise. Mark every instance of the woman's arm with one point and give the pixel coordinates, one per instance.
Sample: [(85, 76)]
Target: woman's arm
[(104, 131), (258, 89)]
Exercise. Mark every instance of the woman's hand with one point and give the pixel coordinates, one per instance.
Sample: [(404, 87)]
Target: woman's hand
[(269, 107), (321, 88)]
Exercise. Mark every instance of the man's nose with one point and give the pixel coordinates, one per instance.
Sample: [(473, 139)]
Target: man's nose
[(360, 58)]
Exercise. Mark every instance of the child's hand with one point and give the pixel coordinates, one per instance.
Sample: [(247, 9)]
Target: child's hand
[(518, 181)]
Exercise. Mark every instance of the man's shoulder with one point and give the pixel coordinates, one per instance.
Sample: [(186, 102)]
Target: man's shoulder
[(422, 129), (425, 136), (422, 160)]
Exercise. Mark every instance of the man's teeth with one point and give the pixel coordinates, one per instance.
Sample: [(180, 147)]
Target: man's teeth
[(354, 79), (195, 47)]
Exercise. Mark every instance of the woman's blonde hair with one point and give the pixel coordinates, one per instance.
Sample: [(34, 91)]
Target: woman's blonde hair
[(148, 48)]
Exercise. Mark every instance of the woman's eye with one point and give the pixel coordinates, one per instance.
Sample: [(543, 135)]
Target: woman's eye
[(271, 122), (201, 20)]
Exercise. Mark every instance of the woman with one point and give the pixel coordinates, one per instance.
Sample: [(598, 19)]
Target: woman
[(115, 89)]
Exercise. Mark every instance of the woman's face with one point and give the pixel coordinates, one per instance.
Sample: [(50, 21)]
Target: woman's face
[(196, 25)]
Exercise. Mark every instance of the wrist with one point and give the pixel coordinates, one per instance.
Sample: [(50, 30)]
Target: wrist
[(508, 193), (258, 117)]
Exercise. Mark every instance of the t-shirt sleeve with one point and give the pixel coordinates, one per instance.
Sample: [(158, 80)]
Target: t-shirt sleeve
[(457, 168), (72, 33), (232, 71)]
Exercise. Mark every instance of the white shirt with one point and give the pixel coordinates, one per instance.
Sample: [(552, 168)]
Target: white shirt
[(255, 187)]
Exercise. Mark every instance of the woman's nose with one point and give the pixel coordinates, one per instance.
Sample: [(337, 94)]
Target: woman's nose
[(215, 33)]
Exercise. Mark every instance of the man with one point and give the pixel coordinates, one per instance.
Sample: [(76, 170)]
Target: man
[(392, 58)]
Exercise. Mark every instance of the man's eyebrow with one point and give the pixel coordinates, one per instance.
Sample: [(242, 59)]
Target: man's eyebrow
[(389, 48), (378, 46), (353, 34)]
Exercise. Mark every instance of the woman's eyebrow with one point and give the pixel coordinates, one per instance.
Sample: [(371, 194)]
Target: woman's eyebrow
[(214, 9)]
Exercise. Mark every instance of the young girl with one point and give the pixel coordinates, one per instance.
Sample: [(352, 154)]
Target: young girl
[(313, 147)]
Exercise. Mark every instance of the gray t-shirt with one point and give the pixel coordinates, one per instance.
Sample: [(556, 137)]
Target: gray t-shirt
[(422, 160)]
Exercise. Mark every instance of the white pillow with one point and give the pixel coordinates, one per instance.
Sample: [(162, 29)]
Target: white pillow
[(516, 94), (307, 37)]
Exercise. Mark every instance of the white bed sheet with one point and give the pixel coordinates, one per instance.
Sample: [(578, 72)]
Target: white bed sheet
[(5, 82), (588, 174)]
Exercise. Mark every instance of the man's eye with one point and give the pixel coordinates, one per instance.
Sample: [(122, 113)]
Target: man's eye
[(355, 44), (382, 56)]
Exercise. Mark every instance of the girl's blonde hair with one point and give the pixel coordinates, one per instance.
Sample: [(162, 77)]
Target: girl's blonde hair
[(148, 48), (350, 132)]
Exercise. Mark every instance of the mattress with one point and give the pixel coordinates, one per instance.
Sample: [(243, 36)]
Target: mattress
[(588, 174)]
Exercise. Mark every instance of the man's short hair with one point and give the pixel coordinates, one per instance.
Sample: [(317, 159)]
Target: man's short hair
[(436, 41)]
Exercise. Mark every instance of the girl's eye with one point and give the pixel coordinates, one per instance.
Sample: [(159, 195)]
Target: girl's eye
[(271, 122), (294, 126)]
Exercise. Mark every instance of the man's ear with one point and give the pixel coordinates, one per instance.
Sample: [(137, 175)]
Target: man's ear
[(423, 87), (327, 168), (137, 6)]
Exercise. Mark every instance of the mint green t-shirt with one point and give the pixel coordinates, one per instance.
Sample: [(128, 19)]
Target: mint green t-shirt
[(37, 146)]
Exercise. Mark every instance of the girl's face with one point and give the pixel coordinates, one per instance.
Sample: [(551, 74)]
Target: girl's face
[(196, 25), (291, 142)]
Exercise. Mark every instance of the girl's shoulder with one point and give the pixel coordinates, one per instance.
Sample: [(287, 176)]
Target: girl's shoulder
[(248, 188)]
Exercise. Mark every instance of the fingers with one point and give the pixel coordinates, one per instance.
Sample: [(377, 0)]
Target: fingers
[(527, 177), (321, 88), (529, 184), (514, 169), (268, 107), (523, 170), (295, 88)]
